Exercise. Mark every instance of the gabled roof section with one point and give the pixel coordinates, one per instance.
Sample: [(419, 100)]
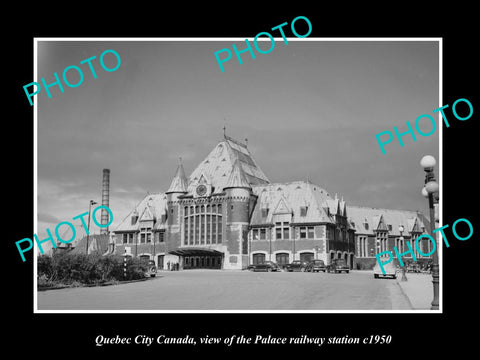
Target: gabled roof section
[(237, 177), (152, 205), (147, 214), (395, 218), (97, 243), (219, 164), (282, 207), (295, 195), (415, 228), (179, 182), (379, 223)]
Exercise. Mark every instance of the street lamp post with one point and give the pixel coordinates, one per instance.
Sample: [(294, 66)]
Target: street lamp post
[(431, 191), (88, 227), (153, 239), (401, 238)]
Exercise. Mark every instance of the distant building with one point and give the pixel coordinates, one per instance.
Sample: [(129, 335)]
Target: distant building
[(377, 230), (227, 215)]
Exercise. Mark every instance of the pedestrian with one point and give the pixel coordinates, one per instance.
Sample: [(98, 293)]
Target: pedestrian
[(168, 266)]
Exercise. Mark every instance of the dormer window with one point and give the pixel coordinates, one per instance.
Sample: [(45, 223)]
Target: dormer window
[(389, 227), (264, 212), (366, 226), (134, 219), (303, 210)]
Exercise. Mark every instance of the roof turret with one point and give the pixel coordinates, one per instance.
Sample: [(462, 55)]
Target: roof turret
[(237, 177), (179, 182)]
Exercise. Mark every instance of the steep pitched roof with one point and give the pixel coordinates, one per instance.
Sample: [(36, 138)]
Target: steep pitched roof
[(152, 207), (375, 216), (237, 177), (179, 182), (219, 164), (97, 243), (284, 198)]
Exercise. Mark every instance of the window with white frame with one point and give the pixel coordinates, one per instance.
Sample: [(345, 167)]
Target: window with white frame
[(202, 224), (307, 232), (282, 230)]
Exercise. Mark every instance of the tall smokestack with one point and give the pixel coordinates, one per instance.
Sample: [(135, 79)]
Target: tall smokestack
[(105, 199)]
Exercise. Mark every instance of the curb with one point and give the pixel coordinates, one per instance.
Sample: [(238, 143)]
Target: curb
[(44, 288)]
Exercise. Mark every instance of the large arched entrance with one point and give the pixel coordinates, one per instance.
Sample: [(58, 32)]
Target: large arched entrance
[(258, 258), (307, 256), (197, 258)]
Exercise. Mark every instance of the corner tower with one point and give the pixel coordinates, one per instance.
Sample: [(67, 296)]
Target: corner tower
[(239, 206), (177, 188)]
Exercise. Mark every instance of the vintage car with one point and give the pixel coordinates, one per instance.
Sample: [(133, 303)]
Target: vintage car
[(265, 266), (390, 270), (316, 266), (296, 265), (151, 269), (338, 265)]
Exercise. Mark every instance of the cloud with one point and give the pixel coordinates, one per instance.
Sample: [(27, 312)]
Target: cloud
[(47, 218)]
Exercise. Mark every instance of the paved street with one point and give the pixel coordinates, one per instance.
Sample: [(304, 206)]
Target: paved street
[(235, 290)]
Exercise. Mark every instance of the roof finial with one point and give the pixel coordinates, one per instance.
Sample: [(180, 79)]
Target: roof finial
[(246, 142), (180, 160), (224, 129)]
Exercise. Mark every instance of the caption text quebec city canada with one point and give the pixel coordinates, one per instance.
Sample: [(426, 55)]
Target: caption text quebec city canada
[(260, 188)]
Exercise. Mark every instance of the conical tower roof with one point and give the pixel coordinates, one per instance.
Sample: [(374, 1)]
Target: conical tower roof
[(237, 177), (179, 182)]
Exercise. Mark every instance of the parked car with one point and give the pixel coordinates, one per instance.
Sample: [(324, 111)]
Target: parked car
[(338, 265), (316, 266), (296, 265), (151, 269), (390, 270), (413, 267), (266, 266)]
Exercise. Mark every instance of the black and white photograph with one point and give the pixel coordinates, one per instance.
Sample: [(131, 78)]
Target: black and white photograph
[(273, 187), (180, 153)]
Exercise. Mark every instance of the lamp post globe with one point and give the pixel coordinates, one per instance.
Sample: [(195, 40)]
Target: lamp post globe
[(431, 187), (428, 162), (424, 192)]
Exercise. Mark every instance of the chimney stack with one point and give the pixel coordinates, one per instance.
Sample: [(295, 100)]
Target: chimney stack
[(105, 199)]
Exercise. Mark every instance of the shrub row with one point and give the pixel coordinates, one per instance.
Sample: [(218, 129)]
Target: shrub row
[(81, 269)]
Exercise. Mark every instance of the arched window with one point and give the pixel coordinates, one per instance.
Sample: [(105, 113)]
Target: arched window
[(282, 258), (203, 225), (307, 256), (258, 259)]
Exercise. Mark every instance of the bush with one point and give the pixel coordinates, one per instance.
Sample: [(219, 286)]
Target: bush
[(70, 269)]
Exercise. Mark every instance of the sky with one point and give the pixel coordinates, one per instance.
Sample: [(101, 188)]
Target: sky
[(309, 109)]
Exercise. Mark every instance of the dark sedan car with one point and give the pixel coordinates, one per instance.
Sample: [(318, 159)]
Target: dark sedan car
[(151, 269), (265, 266), (297, 265), (338, 265), (316, 266)]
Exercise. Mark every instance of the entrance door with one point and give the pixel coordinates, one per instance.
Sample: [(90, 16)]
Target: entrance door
[(258, 259), (160, 259), (202, 262), (282, 259), (306, 256)]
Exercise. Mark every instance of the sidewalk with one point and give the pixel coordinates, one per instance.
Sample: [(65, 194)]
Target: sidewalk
[(418, 289)]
